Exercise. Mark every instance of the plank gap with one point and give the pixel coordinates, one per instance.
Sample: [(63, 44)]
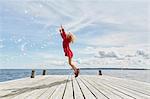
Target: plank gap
[(80, 88)]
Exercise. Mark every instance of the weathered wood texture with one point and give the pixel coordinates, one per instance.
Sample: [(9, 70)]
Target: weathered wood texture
[(68, 87)]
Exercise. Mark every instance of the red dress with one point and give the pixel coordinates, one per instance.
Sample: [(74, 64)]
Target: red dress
[(66, 46)]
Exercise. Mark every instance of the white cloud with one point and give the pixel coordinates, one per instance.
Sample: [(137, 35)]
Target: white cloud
[(143, 54), (33, 60), (48, 58), (117, 39), (111, 23), (127, 56), (80, 15), (111, 54)]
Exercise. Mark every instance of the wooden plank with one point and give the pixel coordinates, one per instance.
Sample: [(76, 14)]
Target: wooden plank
[(59, 92), (121, 95), (120, 89), (34, 94), (21, 81), (102, 89), (129, 84), (83, 87), (22, 96), (55, 93), (46, 94), (69, 90), (143, 85), (11, 86), (40, 85), (132, 90), (77, 91), (99, 95), (26, 83), (85, 91)]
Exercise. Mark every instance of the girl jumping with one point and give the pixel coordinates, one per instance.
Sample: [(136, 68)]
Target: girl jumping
[(67, 39)]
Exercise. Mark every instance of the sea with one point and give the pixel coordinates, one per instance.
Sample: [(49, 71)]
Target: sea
[(12, 74)]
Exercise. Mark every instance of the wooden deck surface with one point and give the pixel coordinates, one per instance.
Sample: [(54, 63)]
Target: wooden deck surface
[(68, 87)]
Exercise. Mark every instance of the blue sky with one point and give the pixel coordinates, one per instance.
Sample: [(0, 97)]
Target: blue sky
[(110, 33)]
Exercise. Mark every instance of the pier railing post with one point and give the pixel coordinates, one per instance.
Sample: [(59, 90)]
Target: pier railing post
[(33, 73), (100, 72), (44, 72)]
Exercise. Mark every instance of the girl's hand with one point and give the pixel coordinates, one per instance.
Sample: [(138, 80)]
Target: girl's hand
[(61, 27), (60, 30)]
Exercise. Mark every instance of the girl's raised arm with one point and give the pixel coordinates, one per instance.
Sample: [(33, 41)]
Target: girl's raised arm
[(62, 31)]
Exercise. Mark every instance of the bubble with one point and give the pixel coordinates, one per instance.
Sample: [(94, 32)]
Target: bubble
[(26, 11), (31, 45), (24, 54), (40, 6), (19, 40), (1, 40), (2, 46), (42, 47), (23, 46), (32, 18)]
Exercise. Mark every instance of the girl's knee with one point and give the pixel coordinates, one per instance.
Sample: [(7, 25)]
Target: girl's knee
[(70, 63), (69, 60)]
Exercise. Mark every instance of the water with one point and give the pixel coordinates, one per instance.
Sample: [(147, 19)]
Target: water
[(11, 74)]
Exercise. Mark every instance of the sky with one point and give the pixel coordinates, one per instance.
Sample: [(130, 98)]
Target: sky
[(109, 33)]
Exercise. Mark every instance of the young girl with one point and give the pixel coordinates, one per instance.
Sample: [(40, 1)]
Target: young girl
[(67, 39)]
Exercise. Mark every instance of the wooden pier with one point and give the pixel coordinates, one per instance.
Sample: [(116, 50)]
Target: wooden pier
[(68, 87)]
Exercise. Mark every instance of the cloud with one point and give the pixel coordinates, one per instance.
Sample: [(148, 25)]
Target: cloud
[(32, 60), (110, 32), (48, 59), (117, 39), (112, 54), (126, 56), (143, 53), (79, 14)]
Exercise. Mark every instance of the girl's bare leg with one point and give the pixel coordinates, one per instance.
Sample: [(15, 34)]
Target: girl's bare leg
[(71, 64)]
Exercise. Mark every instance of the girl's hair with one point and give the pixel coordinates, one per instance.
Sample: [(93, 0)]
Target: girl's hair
[(71, 37)]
